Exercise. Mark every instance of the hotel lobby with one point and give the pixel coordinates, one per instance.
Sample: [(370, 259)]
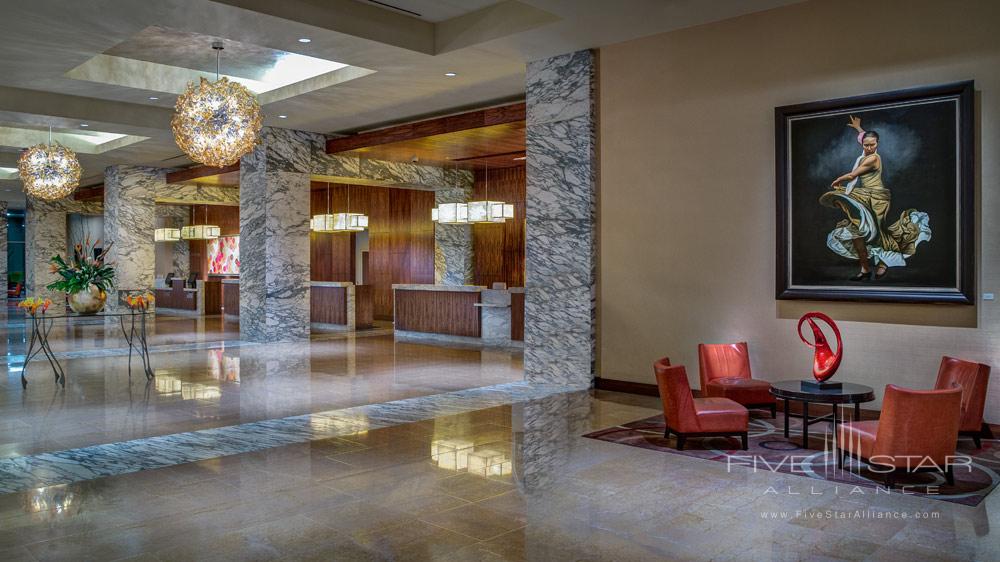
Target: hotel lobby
[(499, 280)]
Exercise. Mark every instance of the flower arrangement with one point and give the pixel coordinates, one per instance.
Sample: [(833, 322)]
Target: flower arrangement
[(33, 304), (139, 301), (83, 270)]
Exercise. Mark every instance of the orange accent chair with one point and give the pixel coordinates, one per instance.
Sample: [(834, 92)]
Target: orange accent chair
[(973, 378), (687, 416), (725, 373), (915, 428)]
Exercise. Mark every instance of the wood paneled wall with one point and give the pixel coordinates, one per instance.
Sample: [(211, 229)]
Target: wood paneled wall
[(331, 253), (499, 248), (226, 217), (400, 238), (438, 312), (328, 305)]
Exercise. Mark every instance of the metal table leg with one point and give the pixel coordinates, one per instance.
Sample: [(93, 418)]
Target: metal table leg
[(805, 424), (786, 417)]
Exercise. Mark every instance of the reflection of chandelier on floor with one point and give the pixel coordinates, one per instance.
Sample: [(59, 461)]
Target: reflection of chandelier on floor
[(215, 123), (339, 222), (474, 212), (49, 171)]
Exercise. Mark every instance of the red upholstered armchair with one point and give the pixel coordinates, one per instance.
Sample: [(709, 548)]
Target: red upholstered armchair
[(973, 378), (687, 416), (917, 431), (725, 373)]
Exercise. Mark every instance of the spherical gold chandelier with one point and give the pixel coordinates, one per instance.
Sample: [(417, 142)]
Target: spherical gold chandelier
[(49, 171), (215, 123)]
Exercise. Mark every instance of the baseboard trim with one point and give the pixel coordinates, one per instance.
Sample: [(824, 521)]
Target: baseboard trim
[(628, 387)]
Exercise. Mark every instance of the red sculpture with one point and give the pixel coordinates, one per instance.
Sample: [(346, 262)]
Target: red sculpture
[(825, 361)]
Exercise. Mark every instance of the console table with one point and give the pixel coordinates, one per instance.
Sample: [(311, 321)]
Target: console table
[(133, 325), (848, 393)]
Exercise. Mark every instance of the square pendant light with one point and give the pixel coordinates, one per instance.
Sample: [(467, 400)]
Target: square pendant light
[(200, 232), (166, 235), (451, 213), (490, 211), (339, 222)]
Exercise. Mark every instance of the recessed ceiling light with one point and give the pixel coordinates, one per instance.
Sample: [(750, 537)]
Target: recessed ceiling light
[(450, 74), (282, 117), (153, 98), (305, 40), (84, 125)]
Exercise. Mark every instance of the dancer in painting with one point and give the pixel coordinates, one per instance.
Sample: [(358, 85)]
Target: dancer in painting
[(865, 234)]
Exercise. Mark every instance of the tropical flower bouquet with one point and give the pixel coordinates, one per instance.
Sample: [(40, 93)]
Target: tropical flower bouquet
[(86, 278), (139, 301), (33, 304)]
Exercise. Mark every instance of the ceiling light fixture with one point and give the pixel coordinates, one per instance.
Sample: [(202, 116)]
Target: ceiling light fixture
[(489, 211), (167, 235), (450, 74), (215, 123), (451, 213), (84, 125), (154, 98), (49, 171), (200, 231), (305, 40), (282, 117), (339, 222)]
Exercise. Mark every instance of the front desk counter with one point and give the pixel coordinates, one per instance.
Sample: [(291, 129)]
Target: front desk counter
[(333, 305), (459, 313)]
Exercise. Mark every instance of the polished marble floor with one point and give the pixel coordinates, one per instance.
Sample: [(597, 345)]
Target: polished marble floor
[(528, 487), (397, 454)]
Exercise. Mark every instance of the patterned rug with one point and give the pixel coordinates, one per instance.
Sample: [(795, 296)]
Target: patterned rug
[(770, 450)]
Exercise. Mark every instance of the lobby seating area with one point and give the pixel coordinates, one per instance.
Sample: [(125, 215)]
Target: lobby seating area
[(383, 280)]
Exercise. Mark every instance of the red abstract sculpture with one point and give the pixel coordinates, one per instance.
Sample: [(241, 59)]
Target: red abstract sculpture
[(825, 361)]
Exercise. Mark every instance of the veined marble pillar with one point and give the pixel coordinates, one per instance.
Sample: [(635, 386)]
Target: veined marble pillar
[(560, 264), (453, 242), (129, 221), (45, 236), (274, 237), (3, 250)]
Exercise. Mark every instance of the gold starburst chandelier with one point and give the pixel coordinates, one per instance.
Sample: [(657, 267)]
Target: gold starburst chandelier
[(49, 171), (215, 123)]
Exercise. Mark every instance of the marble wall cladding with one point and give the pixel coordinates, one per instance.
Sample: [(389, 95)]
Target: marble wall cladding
[(197, 194), (453, 249), (3, 249), (129, 220), (402, 173), (274, 237), (560, 244)]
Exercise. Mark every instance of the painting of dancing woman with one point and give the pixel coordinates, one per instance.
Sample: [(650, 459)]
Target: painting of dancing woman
[(865, 234), (875, 197)]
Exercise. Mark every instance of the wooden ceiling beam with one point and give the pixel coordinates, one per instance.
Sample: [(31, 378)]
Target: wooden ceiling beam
[(510, 113), (193, 173)]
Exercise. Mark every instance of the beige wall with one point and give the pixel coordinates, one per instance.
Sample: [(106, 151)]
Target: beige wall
[(687, 186)]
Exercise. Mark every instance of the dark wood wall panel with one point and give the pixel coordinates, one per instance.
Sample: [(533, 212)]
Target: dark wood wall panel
[(364, 309), (517, 316), (439, 312), (213, 297), (328, 305), (400, 239), (331, 253), (231, 298), (499, 248)]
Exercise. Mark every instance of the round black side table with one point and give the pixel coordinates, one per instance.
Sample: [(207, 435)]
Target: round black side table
[(848, 393)]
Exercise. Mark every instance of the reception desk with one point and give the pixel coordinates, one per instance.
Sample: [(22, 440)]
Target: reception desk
[(332, 304), (459, 313)]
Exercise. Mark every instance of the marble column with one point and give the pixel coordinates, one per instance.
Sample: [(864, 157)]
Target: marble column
[(129, 221), (453, 242), (274, 237), (3, 249), (560, 243), (45, 236)]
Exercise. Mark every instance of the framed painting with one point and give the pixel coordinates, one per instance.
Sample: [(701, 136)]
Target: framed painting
[(875, 197)]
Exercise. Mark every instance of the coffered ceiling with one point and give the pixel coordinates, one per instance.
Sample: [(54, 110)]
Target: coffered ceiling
[(107, 72)]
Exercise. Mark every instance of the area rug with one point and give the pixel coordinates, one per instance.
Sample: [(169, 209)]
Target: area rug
[(770, 450)]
